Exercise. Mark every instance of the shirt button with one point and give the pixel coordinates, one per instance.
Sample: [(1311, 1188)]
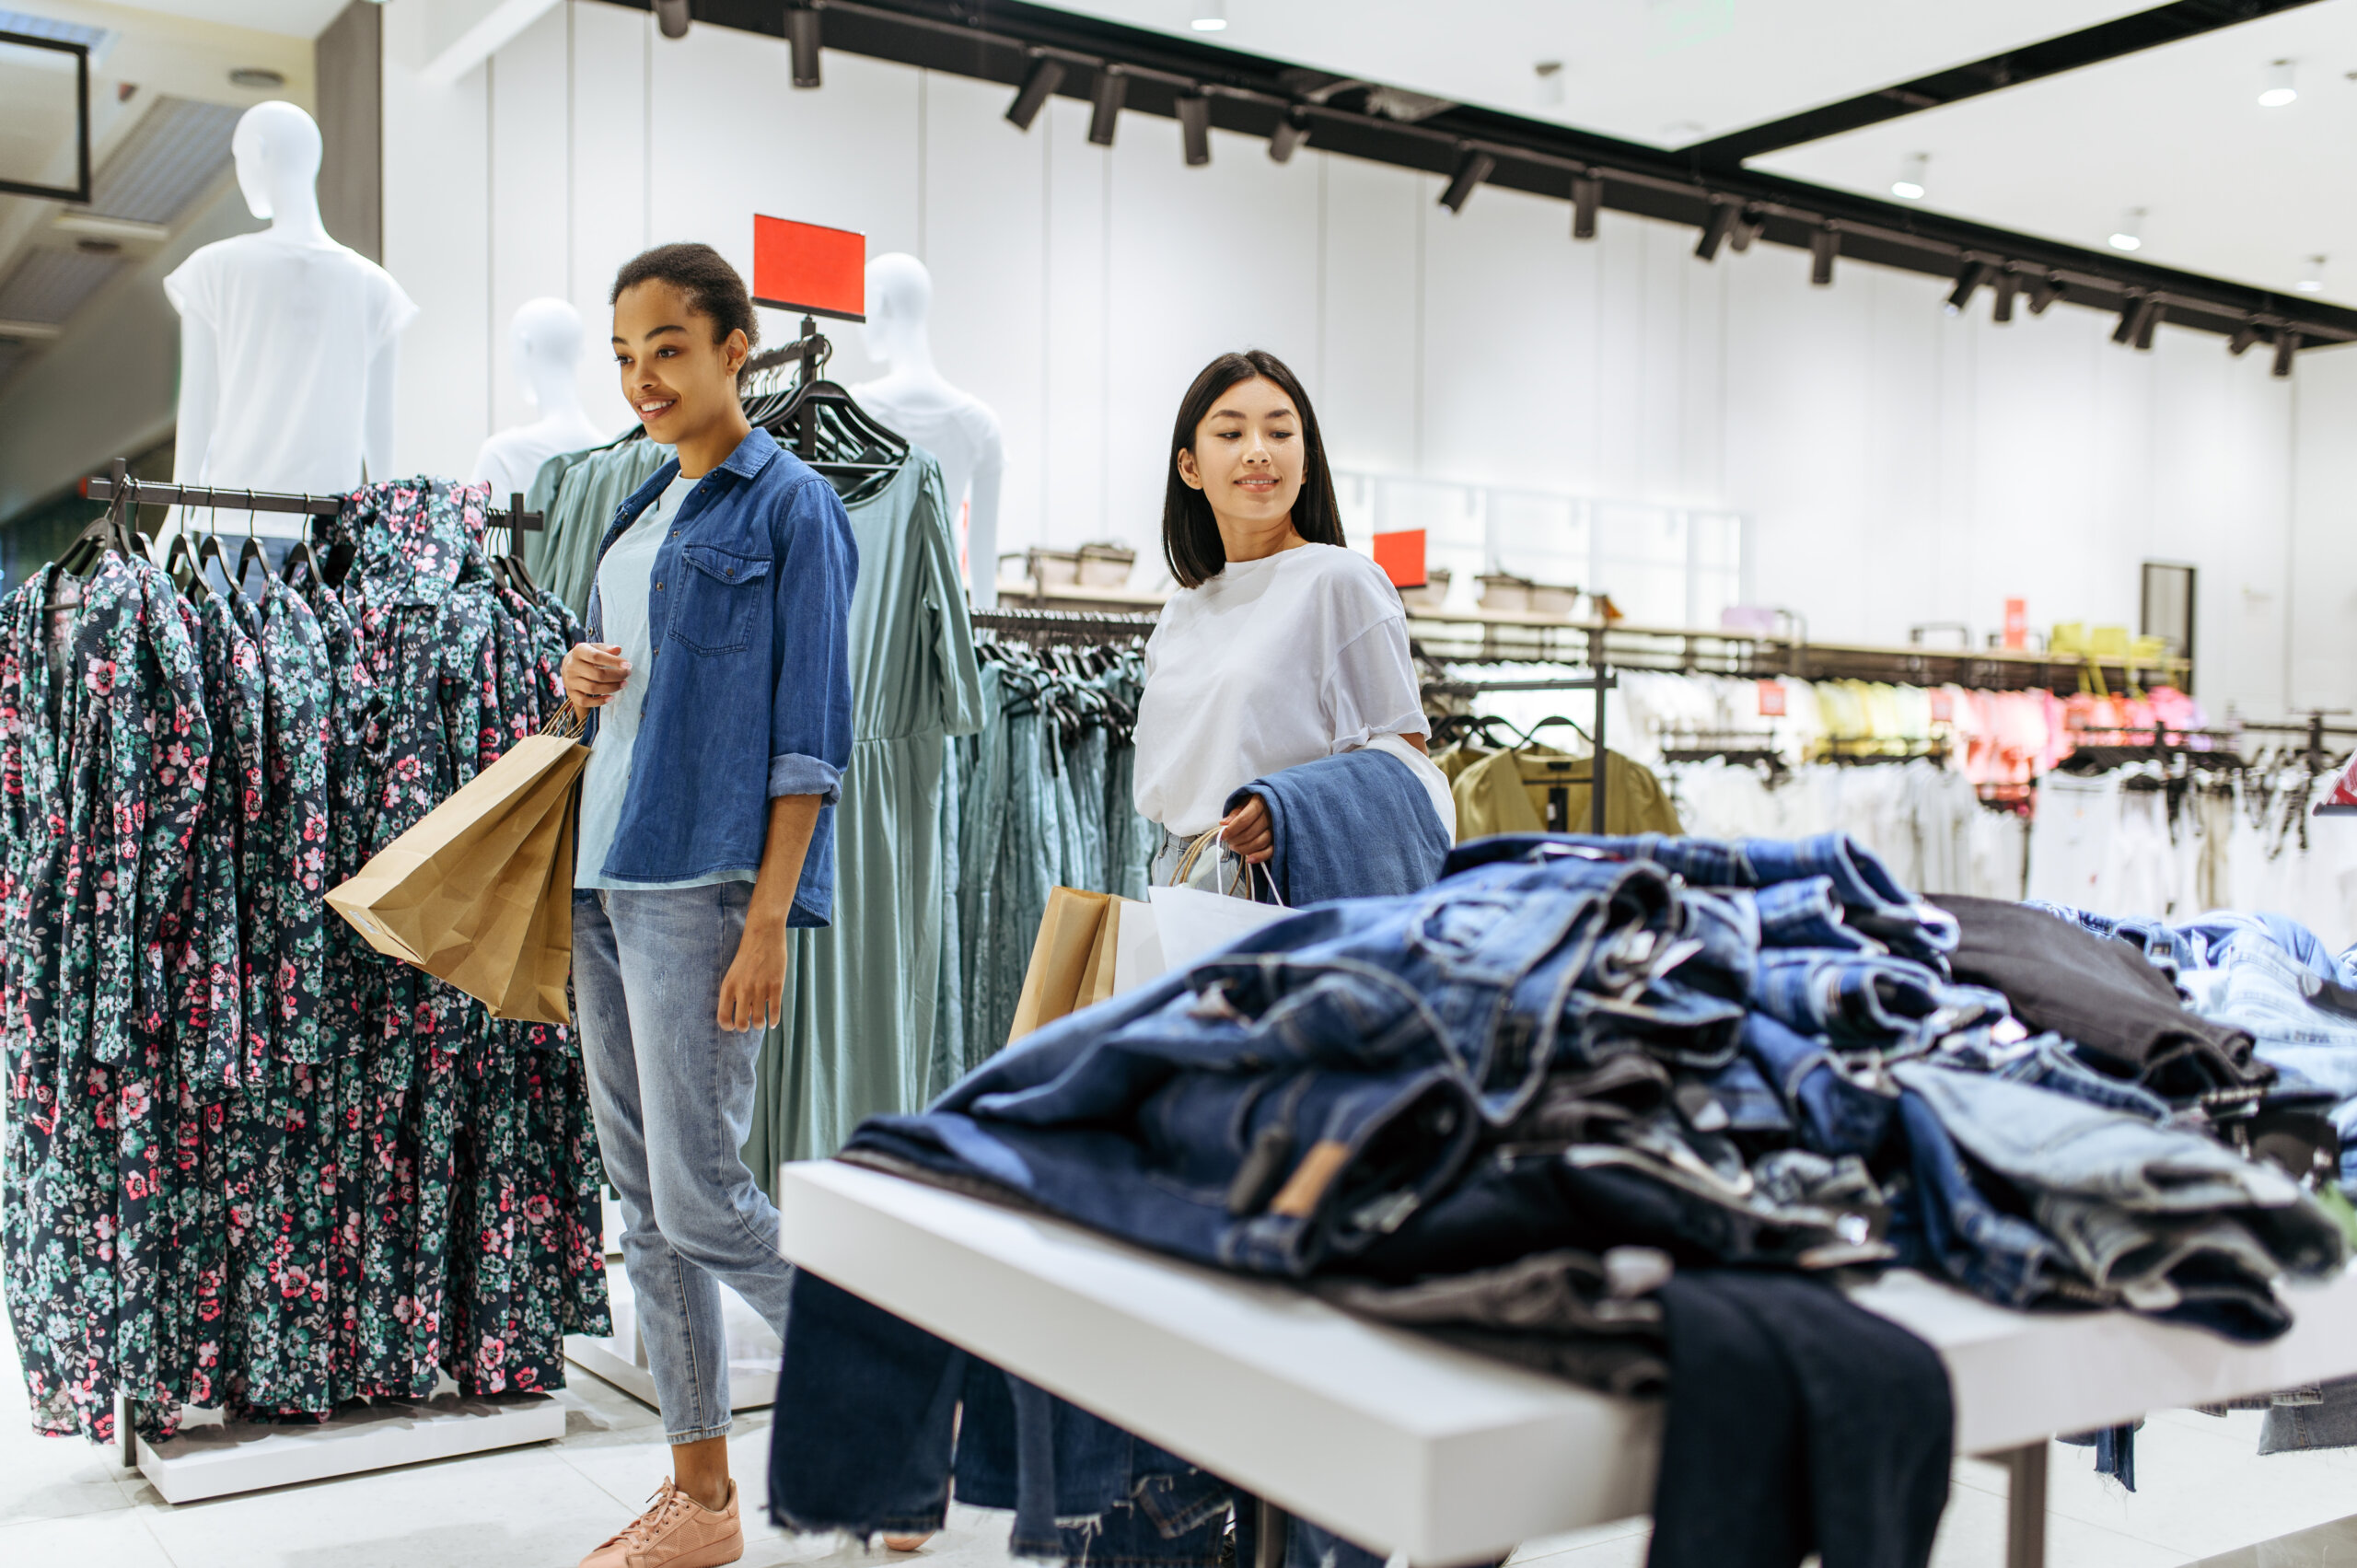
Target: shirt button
[(658, 587)]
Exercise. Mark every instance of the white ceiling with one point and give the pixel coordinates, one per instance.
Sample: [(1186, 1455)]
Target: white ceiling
[(295, 19), (1662, 71), (2231, 190)]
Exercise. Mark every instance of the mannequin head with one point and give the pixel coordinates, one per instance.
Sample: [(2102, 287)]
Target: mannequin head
[(544, 346), (277, 149), (900, 298)]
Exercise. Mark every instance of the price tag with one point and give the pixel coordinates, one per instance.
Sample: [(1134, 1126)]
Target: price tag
[(1771, 698), (1943, 706)]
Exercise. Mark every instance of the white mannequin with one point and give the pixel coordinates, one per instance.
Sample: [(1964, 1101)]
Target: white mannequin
[(957, 427), (544, 346), (286, 337)]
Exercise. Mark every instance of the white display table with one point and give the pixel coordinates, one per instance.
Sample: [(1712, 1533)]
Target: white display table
[(1408, 1446)]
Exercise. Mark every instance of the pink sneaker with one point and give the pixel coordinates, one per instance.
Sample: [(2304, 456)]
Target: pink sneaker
[(675, 1531)]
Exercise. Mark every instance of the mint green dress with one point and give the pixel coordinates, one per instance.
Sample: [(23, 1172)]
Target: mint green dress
[(865, 998)]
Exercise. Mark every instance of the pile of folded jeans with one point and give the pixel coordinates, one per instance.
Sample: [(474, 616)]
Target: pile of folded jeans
[(1526, 1108)]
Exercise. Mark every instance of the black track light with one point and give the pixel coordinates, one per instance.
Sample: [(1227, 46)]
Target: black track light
[(2043, 292), (2006, 284), (802, 26), (1747, 228), (1105, 97), (2133, 309), (1287, 138), (1195, 128), (2150, 319), (2245, 335), (2287, 344), (671, 17), (1968, 284), (1587, 195), (1823, 246), (1039, 84), (1724, 216), (1473, 166)]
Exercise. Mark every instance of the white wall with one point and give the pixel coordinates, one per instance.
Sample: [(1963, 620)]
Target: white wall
[(1902, 466)]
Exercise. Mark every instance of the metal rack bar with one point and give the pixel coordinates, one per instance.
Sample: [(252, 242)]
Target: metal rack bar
[(1063, 622), (148, 493)]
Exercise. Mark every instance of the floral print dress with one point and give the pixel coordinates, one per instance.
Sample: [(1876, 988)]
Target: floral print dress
[(249, 1162)]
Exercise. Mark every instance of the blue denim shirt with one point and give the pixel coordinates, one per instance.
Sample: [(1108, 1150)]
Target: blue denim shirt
[(748, 692)]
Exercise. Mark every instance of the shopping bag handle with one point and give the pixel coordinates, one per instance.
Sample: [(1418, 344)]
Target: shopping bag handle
[(1243, 878), (566, 724)]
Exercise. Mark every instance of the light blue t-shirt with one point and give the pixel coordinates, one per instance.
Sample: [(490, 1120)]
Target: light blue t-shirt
[(625, 579)]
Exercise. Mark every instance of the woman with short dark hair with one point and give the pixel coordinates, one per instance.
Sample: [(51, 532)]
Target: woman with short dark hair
[(722, 728), (1282, 645)]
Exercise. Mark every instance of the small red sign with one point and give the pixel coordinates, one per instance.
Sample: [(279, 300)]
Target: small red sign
[(2017, 623), (1771, 698), (800, 266), (1943, 706), (1402, 556)]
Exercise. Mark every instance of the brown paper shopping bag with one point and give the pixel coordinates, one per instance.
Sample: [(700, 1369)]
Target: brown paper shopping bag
[(535, 989), (451, 895), (1059, 958)]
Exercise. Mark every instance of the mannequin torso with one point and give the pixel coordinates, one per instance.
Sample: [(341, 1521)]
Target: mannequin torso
[(957, 427), (286, 337), (545, 343)]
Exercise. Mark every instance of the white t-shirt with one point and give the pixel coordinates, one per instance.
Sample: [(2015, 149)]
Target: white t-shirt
[(624, 604), (296, 326), (1272, 663)]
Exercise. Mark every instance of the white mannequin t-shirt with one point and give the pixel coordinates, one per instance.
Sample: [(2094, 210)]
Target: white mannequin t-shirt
[(296, 326)]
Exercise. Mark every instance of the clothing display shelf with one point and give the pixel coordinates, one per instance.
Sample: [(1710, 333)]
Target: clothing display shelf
[(1500, 636), (1416, 1448)]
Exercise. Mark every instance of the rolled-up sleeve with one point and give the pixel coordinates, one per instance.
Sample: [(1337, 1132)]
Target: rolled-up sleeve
[(810, 709)]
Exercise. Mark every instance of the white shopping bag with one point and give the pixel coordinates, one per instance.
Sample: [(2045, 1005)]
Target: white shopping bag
[(1137, 948), (1189, 921)]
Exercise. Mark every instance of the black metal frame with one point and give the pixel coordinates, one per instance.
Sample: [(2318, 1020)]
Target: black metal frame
[(999, 40), (79, 192)]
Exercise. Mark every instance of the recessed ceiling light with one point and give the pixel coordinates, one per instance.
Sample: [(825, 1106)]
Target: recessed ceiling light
[(1912, 174), (259, 78), (2130, 234), (2280, 88), (2312, 281), (1211, 15)]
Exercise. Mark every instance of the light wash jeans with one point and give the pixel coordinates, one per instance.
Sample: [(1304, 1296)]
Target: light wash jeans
[(672, 1093)]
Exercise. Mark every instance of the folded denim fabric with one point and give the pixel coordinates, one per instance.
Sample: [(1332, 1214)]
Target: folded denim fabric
[(2048, 1061), (2159, 1263), (2165, 947), (2301, 1021), (1806, 913), (1836, 1115), (1867, 998), (2211, 937), (2045, 1143), (1556, 1311), (1353, 826), (2122, 1013), (1943, 1225)]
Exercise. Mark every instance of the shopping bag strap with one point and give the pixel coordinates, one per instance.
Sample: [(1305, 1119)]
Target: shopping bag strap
[(564, 722), (1243, 878)]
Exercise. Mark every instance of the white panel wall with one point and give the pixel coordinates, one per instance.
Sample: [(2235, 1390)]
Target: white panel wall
[(1901, 466)]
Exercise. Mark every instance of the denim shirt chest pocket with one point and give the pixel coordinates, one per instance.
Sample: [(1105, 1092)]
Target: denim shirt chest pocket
[(722, 593)]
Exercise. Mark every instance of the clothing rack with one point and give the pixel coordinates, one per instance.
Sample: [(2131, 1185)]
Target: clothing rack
[(2315, 729), (1071, 624), (1599, 679), (148, 493)]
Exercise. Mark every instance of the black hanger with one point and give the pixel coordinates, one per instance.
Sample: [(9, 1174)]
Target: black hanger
[(209, 553), (247, 554), (110, 531), (303, 556), (824, 425), (181, 554)]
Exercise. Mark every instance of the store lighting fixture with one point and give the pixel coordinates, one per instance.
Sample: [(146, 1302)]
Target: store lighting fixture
[(1968, 284), (1287, 138), (2006, 286), (1039, 84), (2155, 312), (2287, 344), (1473, 166), (1823, 246), (1587, 195), (1913, 174), (2280, 88), (671, 17), (2130, 234), (1195, 128), (2139, 312), (2312, 281), (1211, 15), (1105, 101), (2043, 292), (802, 27), (2245, 335), (1724, 216), (1747, 228)]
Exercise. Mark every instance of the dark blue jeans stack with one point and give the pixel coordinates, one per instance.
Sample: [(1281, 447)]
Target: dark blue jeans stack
[(1570, 1064)]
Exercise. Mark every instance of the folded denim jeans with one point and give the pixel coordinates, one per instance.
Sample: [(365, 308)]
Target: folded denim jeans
[(1836, 1115), (1942, 1224), (1807, 913), (2044, 1143), (1867, 999), (2300, 1020)]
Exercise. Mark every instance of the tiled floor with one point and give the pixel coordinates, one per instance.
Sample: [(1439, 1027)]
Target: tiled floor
[(2206, 1499)]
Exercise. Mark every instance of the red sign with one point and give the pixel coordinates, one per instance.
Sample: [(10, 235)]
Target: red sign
[(1402, 556), (2017, 623), (1771, 698), (800, 266)]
